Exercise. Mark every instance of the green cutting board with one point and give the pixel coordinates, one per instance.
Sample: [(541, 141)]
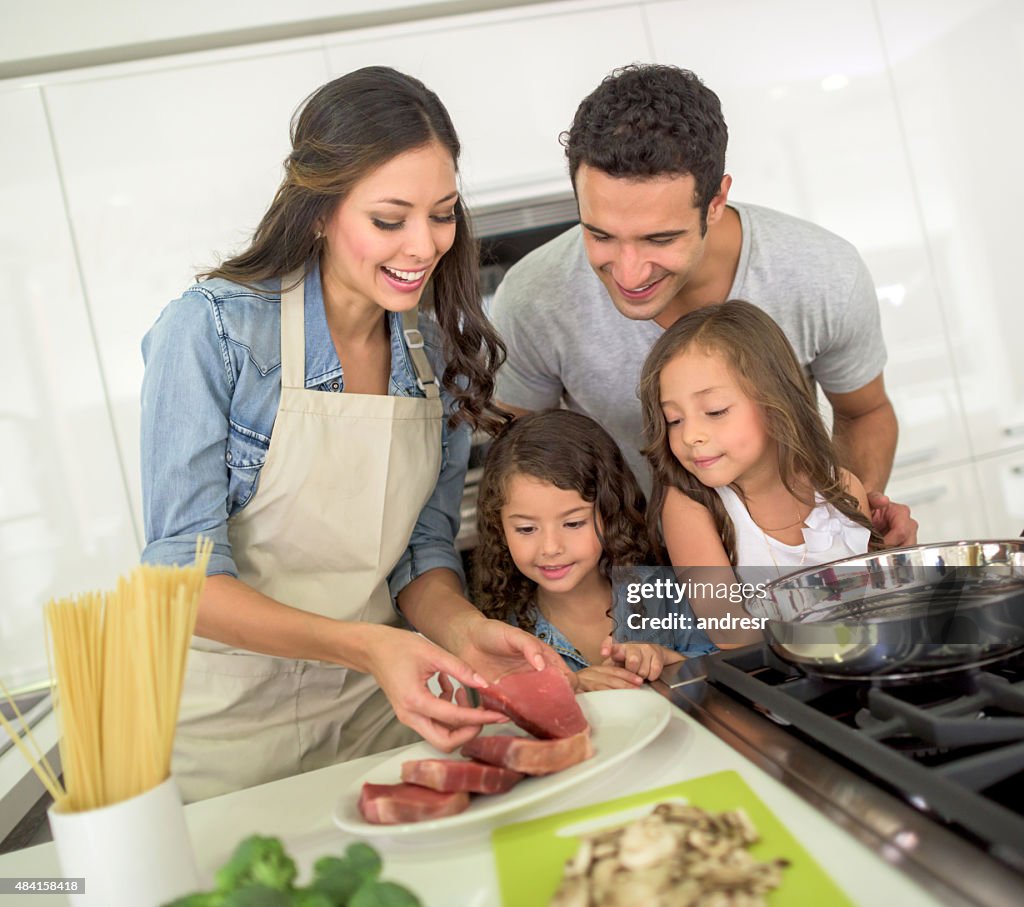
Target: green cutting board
[(531, 855)]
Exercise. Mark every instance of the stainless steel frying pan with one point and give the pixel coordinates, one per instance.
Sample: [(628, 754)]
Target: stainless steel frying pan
[(900, 613)]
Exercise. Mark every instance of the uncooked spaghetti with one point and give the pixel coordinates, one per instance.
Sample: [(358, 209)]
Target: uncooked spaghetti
[(117, 660)]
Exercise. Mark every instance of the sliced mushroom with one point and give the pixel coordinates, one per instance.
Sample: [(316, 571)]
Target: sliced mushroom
[(574, 892), (647, 842), (678, 856)]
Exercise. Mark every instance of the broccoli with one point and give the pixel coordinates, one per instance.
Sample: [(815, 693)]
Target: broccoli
[(383, 894), (340, 877), (260, 861), (259, 896), (307, 897), (261, 874), (200, 899)]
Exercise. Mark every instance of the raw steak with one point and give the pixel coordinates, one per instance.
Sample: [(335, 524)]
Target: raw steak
[(458, 774), (531, 757), (391, 804), (541, 702)]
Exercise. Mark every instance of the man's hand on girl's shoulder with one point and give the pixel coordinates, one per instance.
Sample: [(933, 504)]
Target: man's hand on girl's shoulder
[(892, 521)]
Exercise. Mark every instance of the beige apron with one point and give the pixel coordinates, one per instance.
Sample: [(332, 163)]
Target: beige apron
[(344, 481)]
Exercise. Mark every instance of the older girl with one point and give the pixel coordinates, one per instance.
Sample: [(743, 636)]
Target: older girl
[(745, 473)]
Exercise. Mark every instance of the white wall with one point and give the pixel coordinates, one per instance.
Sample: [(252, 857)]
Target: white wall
[(50, 34), (892, 122)]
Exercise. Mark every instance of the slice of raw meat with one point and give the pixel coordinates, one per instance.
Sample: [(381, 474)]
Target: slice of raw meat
[(460, 774), (531, 757), (391, 804), (541, 702)]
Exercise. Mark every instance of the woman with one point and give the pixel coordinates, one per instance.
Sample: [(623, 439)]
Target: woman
[(292, 410)]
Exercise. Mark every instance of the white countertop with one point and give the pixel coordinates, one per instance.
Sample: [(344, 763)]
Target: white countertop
[(459, 872)]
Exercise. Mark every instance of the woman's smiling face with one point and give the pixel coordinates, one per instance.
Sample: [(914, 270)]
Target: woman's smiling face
[(385, 238)]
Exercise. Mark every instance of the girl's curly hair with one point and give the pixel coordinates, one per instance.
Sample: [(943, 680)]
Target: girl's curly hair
[(572, 452), (761, 357)]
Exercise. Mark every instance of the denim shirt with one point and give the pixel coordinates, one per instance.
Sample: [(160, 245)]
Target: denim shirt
[(690, 643), (209, 401), (547, 632)]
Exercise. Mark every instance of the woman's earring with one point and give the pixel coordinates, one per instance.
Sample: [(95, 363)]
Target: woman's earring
[(318, 236)]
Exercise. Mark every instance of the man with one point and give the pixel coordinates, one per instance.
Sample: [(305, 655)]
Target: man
[(658, 238)]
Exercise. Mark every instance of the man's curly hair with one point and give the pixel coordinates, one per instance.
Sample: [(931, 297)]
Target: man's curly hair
[(572, 452), (647, 120)]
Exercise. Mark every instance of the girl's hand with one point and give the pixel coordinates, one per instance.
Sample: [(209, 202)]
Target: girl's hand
[(402, 663), (606, 677), (644, 659)]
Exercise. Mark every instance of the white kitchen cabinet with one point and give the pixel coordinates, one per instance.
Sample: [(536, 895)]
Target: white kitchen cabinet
[(1002, 489), (814, 131), (65, 523), (957, 68), (166, 171), (29, 32), (511, 84), (946, 503)]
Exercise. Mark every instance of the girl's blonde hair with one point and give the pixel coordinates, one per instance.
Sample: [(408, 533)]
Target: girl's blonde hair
[(572, 452), (764, 363)]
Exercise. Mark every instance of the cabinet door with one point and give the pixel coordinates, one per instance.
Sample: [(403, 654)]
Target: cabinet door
[(957, 71), (167, 171), (814, 131), (945, 502), (511, 82), (65, 523), (1002, 490)]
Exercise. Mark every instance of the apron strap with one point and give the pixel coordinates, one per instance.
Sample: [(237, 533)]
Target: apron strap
[(293, 329), (293, 338), (414, 341)]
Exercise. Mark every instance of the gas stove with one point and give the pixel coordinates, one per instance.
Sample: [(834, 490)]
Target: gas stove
[(928, 771)]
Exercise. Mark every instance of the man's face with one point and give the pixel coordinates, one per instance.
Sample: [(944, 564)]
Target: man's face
[(643, 236)]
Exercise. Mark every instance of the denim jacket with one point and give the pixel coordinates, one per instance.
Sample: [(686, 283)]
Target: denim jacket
[(209, 400), (547, 632), (690, 643)]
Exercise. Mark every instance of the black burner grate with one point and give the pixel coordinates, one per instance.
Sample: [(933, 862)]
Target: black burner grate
[(952, 744)]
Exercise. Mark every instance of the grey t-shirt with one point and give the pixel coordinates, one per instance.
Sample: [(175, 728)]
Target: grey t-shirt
[(568, 344)]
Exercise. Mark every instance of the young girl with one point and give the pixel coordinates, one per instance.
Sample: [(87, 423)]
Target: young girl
[(558, 509), (745, 473)]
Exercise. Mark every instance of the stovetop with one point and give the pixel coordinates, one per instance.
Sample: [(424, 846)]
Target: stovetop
[(929, 772)]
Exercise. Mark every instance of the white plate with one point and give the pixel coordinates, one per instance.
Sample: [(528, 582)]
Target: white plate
[(621, 721)]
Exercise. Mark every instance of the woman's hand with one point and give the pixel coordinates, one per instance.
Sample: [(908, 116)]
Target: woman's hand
[(643, 659), (605, 677), (434, 604), (402, 663), (495, 648)]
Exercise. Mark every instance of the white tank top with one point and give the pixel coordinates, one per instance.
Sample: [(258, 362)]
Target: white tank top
[(828, 536)]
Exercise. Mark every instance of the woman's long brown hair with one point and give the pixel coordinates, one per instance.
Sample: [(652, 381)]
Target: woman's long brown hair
[(763, 361), (572, 452), (343, 131)]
